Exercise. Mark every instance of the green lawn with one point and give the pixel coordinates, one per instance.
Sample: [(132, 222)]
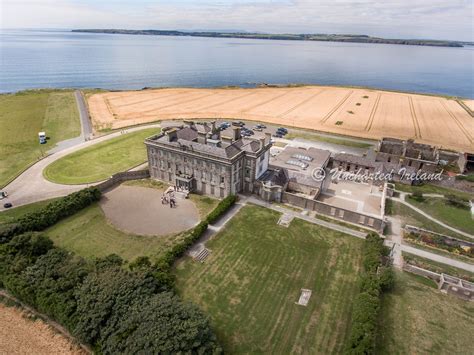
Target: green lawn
[(22, 116), (433, 189), (250, 282), (453, 216), (411, 217), (417, 319), (89, 234), (102, 160), (9, 216)]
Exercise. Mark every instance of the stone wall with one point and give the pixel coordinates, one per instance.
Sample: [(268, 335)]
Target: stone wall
[(121, 177), (336, 212)]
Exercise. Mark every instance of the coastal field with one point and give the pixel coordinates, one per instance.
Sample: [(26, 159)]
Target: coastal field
[(22, 116), (348, 111), (250, 283)]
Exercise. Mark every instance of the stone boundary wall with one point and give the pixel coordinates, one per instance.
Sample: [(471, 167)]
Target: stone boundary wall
[(365, 221), (422, 272), (121, 177), (446, 283)]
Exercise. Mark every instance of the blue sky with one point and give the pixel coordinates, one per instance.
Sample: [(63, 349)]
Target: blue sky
[(438, 19)]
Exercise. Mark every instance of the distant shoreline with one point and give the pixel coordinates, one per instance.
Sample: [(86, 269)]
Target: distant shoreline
[(289, 37)]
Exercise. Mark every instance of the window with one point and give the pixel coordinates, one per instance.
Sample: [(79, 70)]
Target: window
[(341, 214), (371, 222), (333, 211), (222, 179), (247, 172)]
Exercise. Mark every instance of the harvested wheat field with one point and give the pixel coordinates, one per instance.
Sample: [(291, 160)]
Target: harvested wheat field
[(355, 112), (20, 335)]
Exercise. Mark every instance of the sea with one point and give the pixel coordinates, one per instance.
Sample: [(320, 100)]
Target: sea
[(33, 59)]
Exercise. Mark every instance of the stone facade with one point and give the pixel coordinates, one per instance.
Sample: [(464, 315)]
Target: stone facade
[(198, 158)]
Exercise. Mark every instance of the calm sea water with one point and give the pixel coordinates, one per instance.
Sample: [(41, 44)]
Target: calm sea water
[(39, 59)]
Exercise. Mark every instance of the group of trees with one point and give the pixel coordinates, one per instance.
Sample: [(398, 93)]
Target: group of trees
[(104, 304), (375, 279)]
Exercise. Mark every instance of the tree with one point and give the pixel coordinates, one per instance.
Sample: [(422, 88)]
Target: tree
[(162, 324)]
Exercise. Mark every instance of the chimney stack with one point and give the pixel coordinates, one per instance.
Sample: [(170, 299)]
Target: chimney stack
[(236, 135), (268, 138), (172, 135)]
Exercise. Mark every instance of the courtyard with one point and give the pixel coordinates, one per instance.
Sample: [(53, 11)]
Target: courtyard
[(358, 197), (139, 210)]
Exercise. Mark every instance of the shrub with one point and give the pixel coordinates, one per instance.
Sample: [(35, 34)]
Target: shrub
[(458, 202), (417, 196), (221, 208)]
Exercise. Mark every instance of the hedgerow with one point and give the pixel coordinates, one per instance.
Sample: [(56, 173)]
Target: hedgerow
[(51, 213), (375, 279)]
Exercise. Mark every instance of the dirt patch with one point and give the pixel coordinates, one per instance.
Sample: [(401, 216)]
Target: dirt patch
[(138, 210), (21, 335), (366, 113)]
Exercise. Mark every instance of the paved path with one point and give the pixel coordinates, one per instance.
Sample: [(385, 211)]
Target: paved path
[(31, 186), (438, 258), (86, 127), (402, 201)]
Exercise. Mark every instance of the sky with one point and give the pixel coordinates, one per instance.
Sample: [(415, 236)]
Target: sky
[(433, 19)]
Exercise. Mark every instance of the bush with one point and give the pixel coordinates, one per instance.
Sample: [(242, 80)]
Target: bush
[(51, 213), (221, 208), (458, 202), (417, 196)]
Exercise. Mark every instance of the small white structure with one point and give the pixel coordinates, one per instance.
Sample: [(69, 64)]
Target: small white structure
[(304, 297), (42, 137)]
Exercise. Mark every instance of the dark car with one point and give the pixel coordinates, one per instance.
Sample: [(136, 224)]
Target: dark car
[(282, 130), (7, 205), (238, 123), (277, 135)]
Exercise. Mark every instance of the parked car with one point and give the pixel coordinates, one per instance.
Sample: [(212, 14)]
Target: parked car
[(238, 123), (277, 135), (257, 128), (283, 130), (7, 205), (262, 126)]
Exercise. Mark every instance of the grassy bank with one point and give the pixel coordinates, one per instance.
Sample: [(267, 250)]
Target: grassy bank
[(22, 116), (250, 282), (417, 319), (413, 218), (100, 161), (433, 189), (89, 234)]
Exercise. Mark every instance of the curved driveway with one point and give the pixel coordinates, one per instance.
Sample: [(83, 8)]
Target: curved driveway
[(31, 186)]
